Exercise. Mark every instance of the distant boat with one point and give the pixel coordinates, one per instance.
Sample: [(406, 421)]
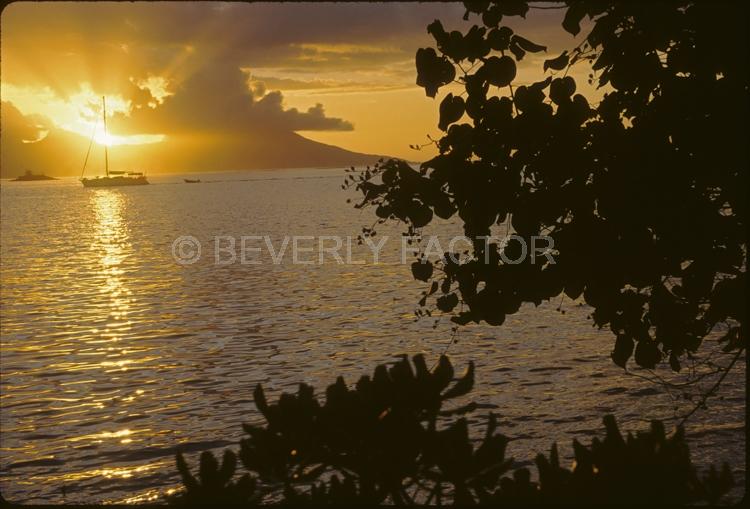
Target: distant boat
[(189, 181), (29, 177), (111, 178)]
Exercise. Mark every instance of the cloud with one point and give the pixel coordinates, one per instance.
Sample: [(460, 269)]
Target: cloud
[(269, 110), (157, 88), (18, 128), (219, 100)]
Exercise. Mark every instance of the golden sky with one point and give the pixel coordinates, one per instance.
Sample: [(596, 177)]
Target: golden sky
[(198, 86)]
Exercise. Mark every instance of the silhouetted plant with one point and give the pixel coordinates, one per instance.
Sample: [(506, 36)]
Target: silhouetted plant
[(647, 468), (643, 194), (389, 440), (214, 484)]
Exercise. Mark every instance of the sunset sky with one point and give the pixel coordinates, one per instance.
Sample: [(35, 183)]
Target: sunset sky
[(199, 86)]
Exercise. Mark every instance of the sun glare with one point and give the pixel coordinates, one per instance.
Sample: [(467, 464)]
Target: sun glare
[(104, 139), (135, 139), (81, 110)]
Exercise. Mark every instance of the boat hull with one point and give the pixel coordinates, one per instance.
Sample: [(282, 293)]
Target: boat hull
[(114, 181)]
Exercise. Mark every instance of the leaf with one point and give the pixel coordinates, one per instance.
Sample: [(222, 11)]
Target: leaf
[(451, 110), (436, 30), (561, 89), (463, 386), (477, 7), (514, 8), (499, 38), (623, 350), (474, 45), (433, 71), (422, 270), (260, 400), (443, 373), (647, 354), (499, 71), (383, 211), (228, 466), (465, 409), (517, 51), (583, 457), (557, 63), (527, 45), (421, 366), (573, 16), (494, 317), (492, 16), (574, 289), (187, 478), (208, 469), (674, 362), (613, 431), (581, 107), (419, 214), (541, 85), (463, 318), (554, 456), (446, 303), (433, 288)]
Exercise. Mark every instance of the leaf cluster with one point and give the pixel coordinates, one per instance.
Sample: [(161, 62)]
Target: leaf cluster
[(642, 195)]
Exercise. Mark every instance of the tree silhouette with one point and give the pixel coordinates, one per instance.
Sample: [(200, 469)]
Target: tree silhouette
[(643, 194)]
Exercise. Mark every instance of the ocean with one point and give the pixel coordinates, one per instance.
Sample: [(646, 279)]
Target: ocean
[(120, 345)]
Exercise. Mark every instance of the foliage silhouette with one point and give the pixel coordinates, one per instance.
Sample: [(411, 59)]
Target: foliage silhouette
[(642, 194), (389, 440)]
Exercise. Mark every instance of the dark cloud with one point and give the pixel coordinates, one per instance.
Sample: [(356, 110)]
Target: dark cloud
[(17, 128), (269, 109), (219, 100)]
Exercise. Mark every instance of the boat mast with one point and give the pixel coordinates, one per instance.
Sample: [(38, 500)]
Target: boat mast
[(104, 114)]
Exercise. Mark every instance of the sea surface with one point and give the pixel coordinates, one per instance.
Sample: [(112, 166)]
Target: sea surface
[(115, 356)]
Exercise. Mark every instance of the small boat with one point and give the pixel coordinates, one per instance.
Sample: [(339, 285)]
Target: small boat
[(190, 181), (111, 178), (30, 177)]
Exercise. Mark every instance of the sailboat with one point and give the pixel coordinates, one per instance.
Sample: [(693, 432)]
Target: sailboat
[(112, 178)]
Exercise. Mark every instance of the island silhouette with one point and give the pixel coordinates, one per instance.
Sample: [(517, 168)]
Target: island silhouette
[(29, 176)]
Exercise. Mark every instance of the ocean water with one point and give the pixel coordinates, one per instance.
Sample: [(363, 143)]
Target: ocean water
[(114, 356)]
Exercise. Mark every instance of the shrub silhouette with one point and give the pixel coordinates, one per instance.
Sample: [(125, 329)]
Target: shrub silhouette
[(389, 440)]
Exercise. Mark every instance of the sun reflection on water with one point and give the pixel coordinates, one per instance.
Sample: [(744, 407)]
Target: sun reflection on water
[(112, 243)]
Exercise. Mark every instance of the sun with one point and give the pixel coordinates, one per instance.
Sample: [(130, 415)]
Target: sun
[(104, 139)]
